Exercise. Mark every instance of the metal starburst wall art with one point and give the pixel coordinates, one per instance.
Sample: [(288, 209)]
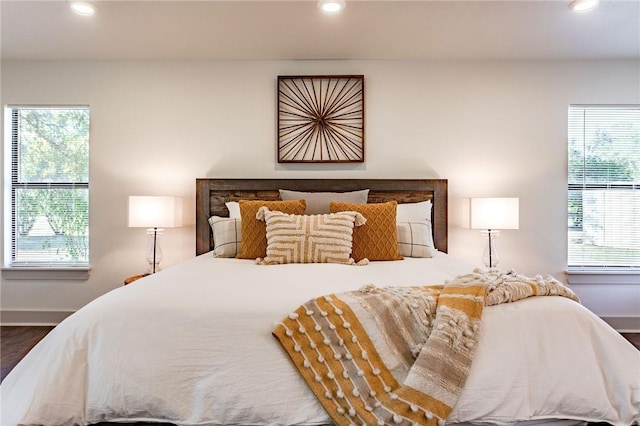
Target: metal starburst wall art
[(321, 119)]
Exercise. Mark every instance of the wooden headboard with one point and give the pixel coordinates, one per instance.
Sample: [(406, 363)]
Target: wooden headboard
[(211, 194)]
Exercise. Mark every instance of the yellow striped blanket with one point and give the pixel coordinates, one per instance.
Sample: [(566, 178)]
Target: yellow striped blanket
[(398, 355)]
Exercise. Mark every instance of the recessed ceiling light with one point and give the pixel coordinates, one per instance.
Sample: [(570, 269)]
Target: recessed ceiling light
[(83, 8), (583, 5), (331, 6)]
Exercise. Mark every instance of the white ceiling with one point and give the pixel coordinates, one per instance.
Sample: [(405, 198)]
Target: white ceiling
[(134, 30)]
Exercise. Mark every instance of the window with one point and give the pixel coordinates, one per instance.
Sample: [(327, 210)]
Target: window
[(604, 188), (48, 204)]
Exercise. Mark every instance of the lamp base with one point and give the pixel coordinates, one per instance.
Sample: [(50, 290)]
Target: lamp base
[(154, 252), (490, 255)]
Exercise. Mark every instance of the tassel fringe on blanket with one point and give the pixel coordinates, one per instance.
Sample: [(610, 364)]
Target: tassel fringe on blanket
[(398, 355)]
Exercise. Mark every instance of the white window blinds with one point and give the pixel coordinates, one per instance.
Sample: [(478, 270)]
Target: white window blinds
[(604, 187), (49, 186)]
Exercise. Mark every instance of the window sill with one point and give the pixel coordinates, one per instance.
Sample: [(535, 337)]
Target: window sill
[(36, 273), (594, 276)]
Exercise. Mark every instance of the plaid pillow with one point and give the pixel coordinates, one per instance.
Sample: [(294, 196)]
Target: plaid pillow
[(415, 239), (227, 236)]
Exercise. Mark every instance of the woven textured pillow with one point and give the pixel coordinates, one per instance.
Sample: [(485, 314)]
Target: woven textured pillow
[(377, 239), (227, 240), (318, 238), (414, 239), (254, 233)]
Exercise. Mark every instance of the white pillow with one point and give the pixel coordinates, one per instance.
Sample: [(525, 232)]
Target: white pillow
[(227, 236), (415, 239), (414, 212), (234, 209), (318, 202)]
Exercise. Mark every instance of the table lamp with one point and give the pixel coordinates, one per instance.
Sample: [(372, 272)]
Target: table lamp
[(491, 215), (154, 213)]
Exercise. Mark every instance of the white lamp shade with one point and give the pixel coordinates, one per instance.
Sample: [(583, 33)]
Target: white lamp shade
[(494, 213), (155, 212)]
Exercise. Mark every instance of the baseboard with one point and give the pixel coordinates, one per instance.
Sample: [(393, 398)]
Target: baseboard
[(32, 317), (624, 324)]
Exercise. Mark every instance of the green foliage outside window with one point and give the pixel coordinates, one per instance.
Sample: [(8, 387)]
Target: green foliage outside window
[(603, 178), (50, 181), (601, 162)]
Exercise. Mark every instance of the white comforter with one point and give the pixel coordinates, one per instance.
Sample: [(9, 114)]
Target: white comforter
[(172, 347)]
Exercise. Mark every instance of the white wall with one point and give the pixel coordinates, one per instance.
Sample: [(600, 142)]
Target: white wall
[(492, 128)]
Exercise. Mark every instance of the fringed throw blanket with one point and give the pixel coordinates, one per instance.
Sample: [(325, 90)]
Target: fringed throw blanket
[(398, 356)]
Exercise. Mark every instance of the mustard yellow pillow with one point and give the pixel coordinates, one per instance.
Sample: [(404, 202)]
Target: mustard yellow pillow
[(254, 232), (377, 239)]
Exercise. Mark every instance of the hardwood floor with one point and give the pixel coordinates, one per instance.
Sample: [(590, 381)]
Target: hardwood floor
[(634, 338), (16, 342)]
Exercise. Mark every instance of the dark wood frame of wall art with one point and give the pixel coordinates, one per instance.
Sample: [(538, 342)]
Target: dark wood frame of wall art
[(347, 138)]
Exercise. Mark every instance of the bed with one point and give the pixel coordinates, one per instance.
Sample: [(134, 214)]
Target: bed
[(193, 344)]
